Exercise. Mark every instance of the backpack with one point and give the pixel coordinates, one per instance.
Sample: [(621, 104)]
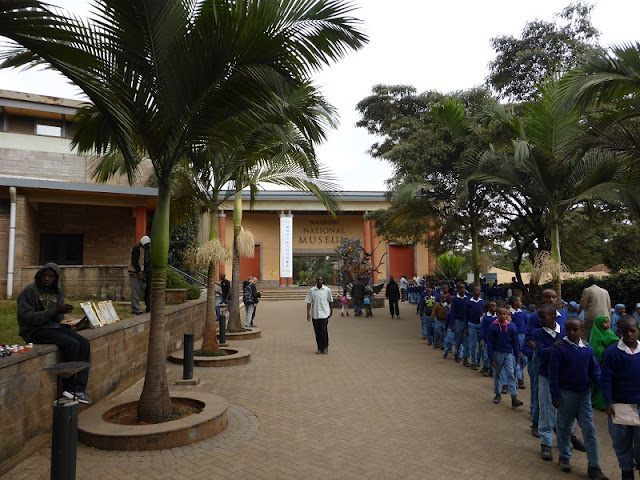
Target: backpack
[(247, 295), (367, 301)]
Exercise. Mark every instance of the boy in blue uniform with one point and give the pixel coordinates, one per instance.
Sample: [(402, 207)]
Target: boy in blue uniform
[(473, 317), (502, 342), (519, 318), (490, 316), (572, 368), (619, 383), (425, 308), (457, 322)]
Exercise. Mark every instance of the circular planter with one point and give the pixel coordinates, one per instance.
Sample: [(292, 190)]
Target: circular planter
[(250, 334), (94, 431), (236, 356)]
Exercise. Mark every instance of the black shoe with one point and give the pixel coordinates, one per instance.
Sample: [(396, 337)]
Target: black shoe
[(521, 385), (545, 453), (596, 474), (444, 355), (504, 390), (456, 358), (627, 474), (429, 342), (497, 398), (326, 350), (474, 367), (577, 443), (485, 372), (565, 465), (466, 363), (515, 403), (534, 430)]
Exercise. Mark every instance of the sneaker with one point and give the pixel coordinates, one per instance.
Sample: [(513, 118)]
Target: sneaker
[(504, 390), (596, 474), (534, 430), (69, 395), (84, 398), (515, 403), (545, 453), (565, 465), (577, 443), (521, 385), (497, 398), (485, 372), (474, 367), (325, 351), (444, 355)]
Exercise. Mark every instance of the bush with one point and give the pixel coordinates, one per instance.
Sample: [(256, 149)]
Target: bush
[(193, 292), (175, 280)]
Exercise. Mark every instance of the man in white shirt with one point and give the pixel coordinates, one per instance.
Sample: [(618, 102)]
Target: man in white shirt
[(404, 285), (319, 309), (594, 301)]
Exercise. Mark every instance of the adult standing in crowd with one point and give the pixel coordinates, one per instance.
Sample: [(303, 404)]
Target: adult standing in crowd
[(225, 286), (319, 309), (357, 293), (41, 308), (250, 298), (404, 285), (595, 301), (393, 295), (137, 273)]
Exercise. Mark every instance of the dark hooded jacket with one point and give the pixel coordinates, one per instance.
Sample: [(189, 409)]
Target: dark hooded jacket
[(37, 304)]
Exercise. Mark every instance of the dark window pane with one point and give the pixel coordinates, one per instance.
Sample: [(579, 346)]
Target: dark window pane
[(61, 248)]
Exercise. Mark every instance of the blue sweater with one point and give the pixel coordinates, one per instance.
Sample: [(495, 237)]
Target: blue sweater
[(474, 311), (533, 323), (544, 345), (520, 319), (458, 307), (572, 368), (620, 374), (502, 337), (487, 320)]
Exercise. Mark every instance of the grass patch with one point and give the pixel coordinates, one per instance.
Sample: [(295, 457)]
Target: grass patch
[(210, 353)]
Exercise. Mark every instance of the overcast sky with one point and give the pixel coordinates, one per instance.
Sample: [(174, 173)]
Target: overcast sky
[(431, 45)]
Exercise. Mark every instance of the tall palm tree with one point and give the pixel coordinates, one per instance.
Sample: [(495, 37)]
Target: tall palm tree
[(551, 167), (163, 75)]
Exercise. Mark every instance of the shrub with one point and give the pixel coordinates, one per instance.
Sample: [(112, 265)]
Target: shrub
[(175, 280), (193, 292)]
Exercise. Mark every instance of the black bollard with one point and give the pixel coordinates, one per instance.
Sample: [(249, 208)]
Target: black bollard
[(223, 326), (187, 364), (64, 440)]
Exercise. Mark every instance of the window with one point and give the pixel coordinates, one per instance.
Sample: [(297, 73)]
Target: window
[(48, 130), (61, 248)]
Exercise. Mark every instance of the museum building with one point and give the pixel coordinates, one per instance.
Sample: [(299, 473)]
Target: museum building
[(51, 209)]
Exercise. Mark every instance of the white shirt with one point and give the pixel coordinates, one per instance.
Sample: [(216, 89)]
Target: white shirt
[(552, 331), (403, 283), (320, 300), (623, 346), (580, 344)]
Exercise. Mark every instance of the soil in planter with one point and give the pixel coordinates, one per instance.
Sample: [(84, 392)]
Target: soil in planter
[(127, 414), (213, 353)]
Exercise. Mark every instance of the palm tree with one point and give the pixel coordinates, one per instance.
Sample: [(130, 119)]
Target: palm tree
[(163, 75), (551, 167)]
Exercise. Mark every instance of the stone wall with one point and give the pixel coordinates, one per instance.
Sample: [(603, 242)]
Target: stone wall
[(118, 360)]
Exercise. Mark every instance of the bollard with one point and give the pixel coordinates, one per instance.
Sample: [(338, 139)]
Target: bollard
[(64, 439), (187, 364), (223, 326)]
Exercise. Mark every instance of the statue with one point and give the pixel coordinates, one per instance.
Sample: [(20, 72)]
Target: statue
[(356, 264)]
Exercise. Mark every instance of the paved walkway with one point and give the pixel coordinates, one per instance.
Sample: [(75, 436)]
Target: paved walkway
[(380, 405)]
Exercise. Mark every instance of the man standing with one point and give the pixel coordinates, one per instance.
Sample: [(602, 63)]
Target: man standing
[(594, 301), (393, 295), (224, 296), (137, 274), (404, 285), (320, 309), (250, 297), (41, 308), (357, 293)]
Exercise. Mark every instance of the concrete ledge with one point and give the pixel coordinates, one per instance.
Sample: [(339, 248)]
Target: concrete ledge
[(94, 431), (236, 356), (248, 335)]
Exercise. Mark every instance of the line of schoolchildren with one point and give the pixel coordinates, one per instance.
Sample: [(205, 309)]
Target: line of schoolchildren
[(563, 369)]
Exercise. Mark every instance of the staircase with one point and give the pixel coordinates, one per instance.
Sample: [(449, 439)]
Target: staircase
[(291, 293)]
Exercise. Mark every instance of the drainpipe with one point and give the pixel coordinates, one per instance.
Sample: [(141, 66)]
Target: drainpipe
[(12, 241)]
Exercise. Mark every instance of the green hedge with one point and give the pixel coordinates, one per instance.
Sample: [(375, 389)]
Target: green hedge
[(193, 292), (175, 280), (622, 287)]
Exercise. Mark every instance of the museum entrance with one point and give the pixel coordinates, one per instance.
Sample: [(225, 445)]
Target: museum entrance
[(307, 267)]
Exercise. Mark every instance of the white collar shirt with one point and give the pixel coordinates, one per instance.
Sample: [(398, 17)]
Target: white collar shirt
[(623, 346), (320, 300)]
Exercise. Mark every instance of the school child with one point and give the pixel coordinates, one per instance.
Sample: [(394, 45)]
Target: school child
[(601, 338), (473, 316), (519, 318), (549, 334), (457, 323), (489, 317), (619, 383), (439, 319), (572, 368), (367, 306), (425, 309), (344, 301), (502, 343), (618, 312)]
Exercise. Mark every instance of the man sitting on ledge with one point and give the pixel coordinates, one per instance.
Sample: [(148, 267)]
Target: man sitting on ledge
[(41, 308)]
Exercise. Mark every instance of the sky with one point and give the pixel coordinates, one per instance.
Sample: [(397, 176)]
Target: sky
[(442, 46)]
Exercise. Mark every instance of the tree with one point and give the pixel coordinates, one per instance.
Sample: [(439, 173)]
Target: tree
[(623, 250), (542, 49), (450, 267), (162, 75), (551, 168)]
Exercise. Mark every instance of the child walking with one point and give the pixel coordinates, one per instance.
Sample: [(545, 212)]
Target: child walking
[(367, 306), (439, 319), (619, 382), (489, 317), (344, 301), (572, 368), (519, 318), (502, 342), (425, 309)]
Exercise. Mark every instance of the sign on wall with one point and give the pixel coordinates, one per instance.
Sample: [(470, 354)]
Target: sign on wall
[(286, 246)]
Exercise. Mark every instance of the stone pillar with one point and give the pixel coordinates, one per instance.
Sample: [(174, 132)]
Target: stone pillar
[(374, 250), (222, 223), (367, 234)]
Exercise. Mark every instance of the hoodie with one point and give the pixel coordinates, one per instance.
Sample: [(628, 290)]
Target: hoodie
[(37, 304)]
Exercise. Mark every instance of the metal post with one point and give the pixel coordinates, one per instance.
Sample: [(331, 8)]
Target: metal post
[(223, 326), (64, 439), (187, 364)]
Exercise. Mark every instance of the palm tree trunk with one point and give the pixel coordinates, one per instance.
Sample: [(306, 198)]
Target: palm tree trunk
[(555, 254), (475, 254), (210, 337), (235, 324), (155, 401)]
